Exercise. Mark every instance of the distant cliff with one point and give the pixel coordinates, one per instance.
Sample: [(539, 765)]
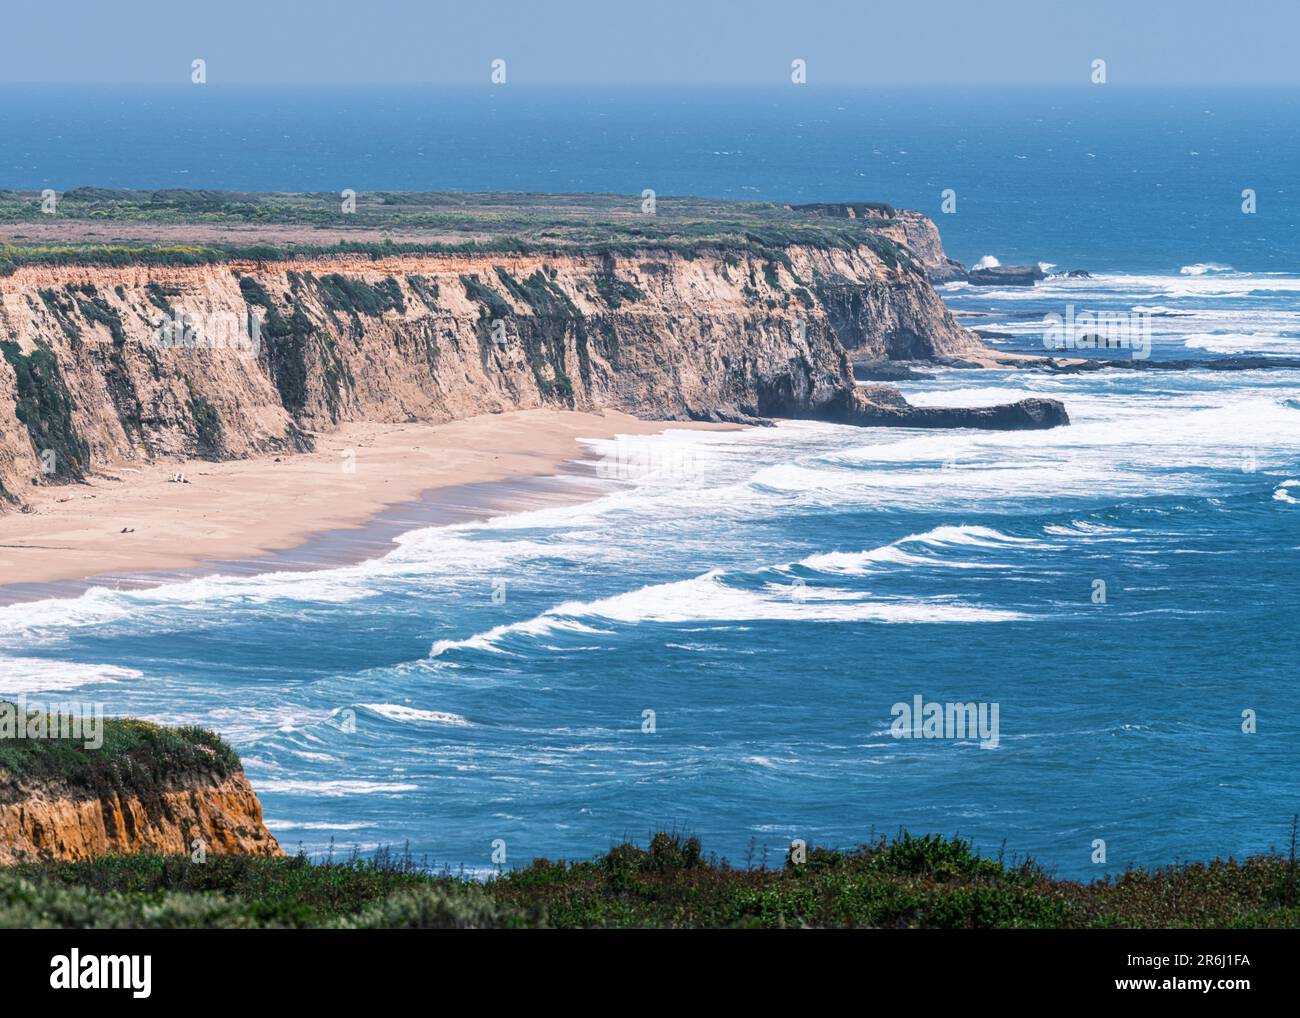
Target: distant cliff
[(109, 364)]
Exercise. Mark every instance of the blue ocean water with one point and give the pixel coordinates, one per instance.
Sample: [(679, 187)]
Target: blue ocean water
[(1101, 177), (770, 595)]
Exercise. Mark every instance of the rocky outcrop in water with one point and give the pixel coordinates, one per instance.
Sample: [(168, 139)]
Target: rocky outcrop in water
[(1006, 275), (881, 406)]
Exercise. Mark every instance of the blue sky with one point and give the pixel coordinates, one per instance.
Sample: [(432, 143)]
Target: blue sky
[(657, 42)]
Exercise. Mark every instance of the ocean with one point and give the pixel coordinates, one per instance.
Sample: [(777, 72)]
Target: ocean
[(717, 641)]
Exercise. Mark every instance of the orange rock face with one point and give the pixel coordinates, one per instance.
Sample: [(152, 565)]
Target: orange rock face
[(217, 817)]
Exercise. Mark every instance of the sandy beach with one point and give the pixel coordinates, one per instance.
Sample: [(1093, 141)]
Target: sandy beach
[(134, 519)]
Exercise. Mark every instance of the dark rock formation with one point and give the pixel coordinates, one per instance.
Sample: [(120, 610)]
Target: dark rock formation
[(1006, 275), (887, 371), (880, 406), (1024, 415)]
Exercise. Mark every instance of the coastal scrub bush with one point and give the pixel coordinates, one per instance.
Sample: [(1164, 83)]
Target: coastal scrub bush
[(207, 423), (933, 856), (493, 303), (26, 904), (99, 311), (613, 290), (286, 346), (158, 295), (431, 908), (424, 287), (357, 297), (63, 311)]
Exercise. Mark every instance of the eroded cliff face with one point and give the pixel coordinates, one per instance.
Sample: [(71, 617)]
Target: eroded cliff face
[(105, 366), (921, 236), (905, 227), (50, 822)]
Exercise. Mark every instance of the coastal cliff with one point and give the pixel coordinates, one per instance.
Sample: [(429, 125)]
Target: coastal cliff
[(147, 789), (108, 364), (225, 817)]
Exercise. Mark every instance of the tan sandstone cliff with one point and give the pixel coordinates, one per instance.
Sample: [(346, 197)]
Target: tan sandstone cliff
[(109, 365)]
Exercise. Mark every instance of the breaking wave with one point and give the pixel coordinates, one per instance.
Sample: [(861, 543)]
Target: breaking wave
[(710, 598)]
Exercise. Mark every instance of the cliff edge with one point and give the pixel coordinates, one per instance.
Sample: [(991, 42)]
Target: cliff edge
[(143, 789)]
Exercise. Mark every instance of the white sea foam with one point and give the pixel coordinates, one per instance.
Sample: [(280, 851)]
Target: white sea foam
[(709, 598), (984, 537), (332, 789), (41, 675), (1136, 288), (97, 606), (857, 563), (1224, 327), (541, 625), (1191, 425), (895, 554), (973, 396), (399, 712), (1242, 342), (1083, 528), (450, 553)]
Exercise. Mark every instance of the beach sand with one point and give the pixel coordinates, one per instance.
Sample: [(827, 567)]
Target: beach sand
[(364, 484)]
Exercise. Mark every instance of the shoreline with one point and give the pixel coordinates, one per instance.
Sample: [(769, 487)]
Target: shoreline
[(301, 511)]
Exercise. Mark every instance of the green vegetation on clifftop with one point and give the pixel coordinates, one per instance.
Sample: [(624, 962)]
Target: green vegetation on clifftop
[(103, 226), (908, 881), (135, 758)]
